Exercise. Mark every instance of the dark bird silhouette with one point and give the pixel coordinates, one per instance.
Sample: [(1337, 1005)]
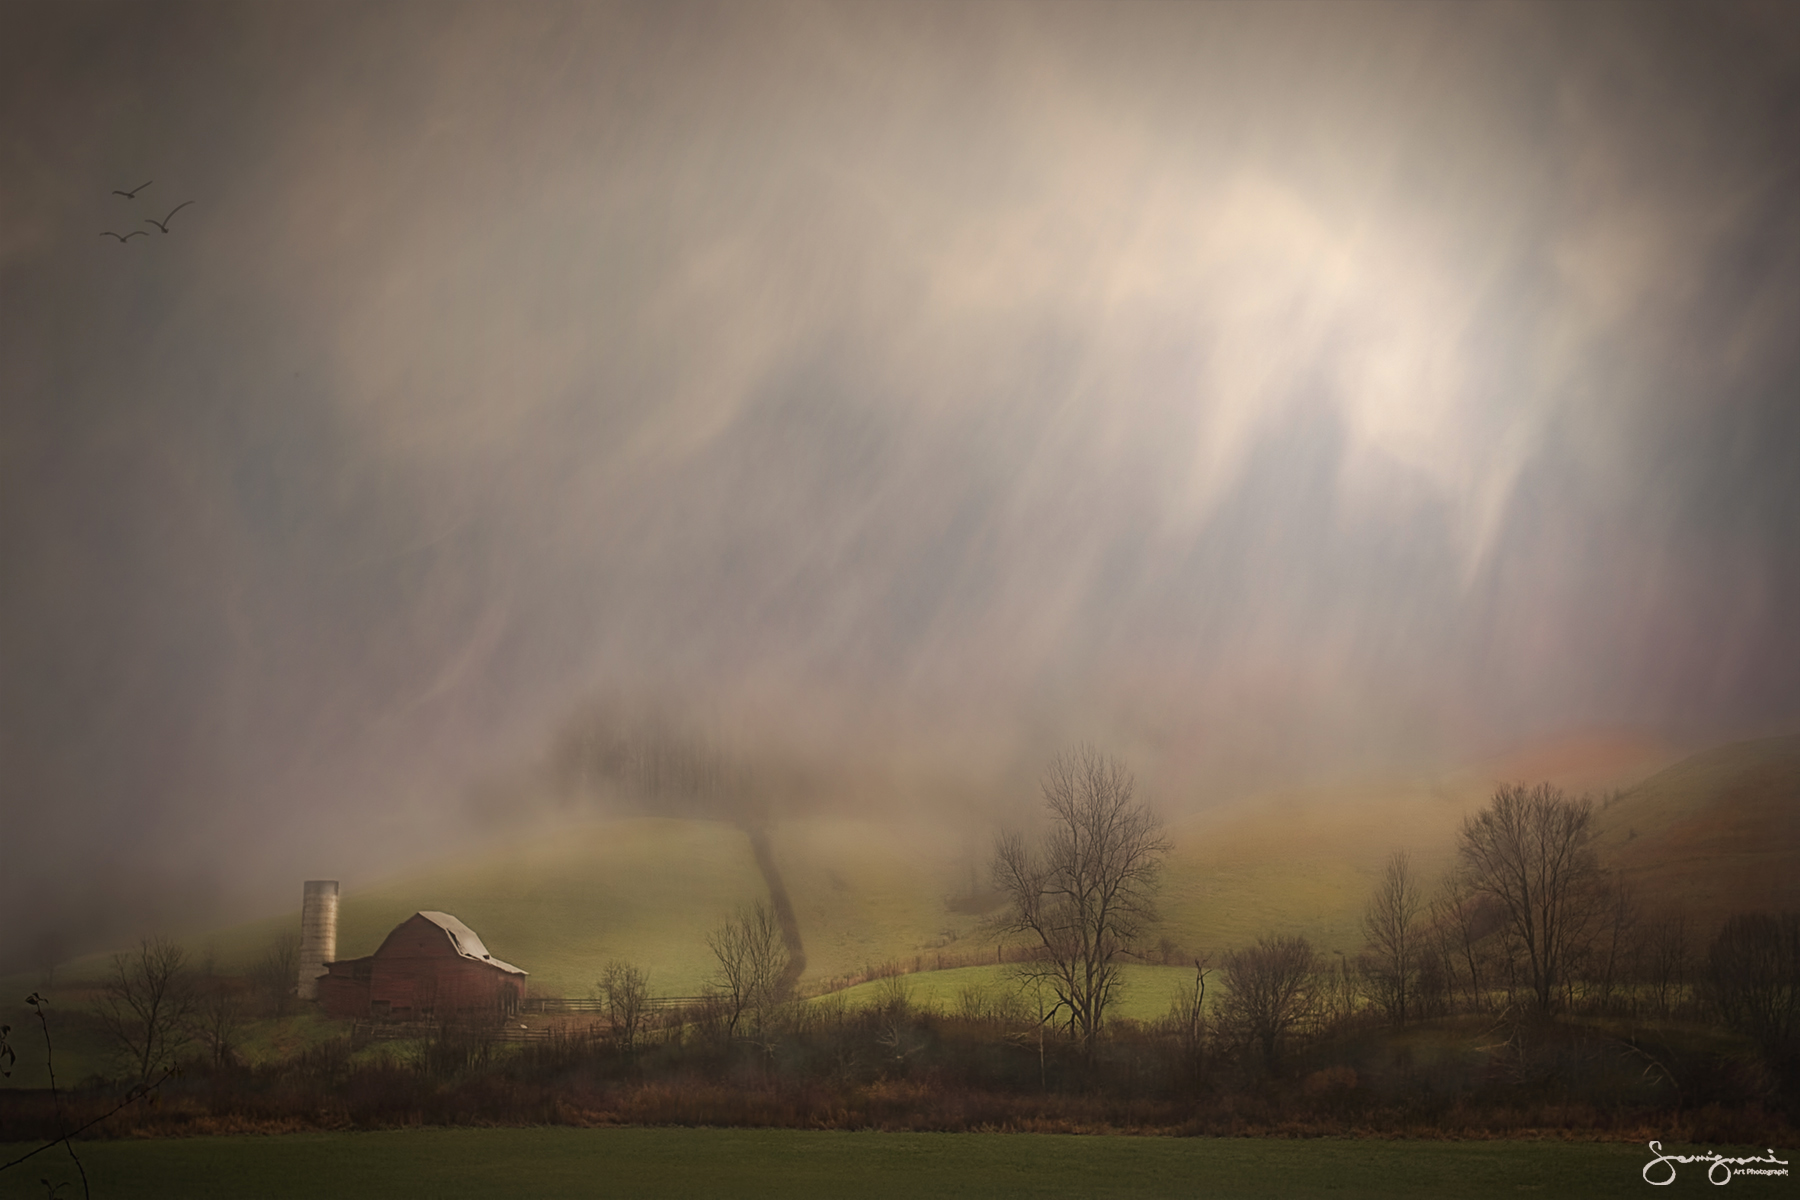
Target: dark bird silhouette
[(124, 237), (164, 223), (132, 194)]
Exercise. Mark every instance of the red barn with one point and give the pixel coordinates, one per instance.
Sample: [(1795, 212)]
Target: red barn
[(431, 966)]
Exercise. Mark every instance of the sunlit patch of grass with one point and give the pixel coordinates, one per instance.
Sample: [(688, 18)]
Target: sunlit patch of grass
[(867, 892), (647, 890), (1144, 993)]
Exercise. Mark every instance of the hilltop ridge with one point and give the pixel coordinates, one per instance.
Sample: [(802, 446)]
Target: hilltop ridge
[(1716, 833)]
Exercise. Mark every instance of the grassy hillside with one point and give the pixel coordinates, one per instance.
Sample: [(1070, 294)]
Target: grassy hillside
[(1303, 862), (646, 889), (868, 892), (1714, 834), (1720, 830), (1145, 993)]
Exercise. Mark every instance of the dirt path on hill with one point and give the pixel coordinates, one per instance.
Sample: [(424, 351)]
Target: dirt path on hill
[(778, 897)]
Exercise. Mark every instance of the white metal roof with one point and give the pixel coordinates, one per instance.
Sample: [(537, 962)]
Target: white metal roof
[(466, 942)]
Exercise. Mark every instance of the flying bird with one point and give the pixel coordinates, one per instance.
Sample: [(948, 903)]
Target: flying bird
[(164, 223), (124, 237), (132, 194)]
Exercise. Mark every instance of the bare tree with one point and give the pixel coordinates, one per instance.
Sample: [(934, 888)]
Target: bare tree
[(276, 971), (146, 1006), (1269, 991), (219, 1017), (1084, 894), (1755, 966), (1531, 851), (1431, 996), (1613, 945), (1396, 936), (753, 966), (1187, 1015), (1340, 992), (1666, 961), (894, 1026), (626, 990), (1461, 919)]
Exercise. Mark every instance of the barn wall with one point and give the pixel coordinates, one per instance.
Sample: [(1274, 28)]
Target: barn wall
[(444, 985), (344, 992), (417, 972)]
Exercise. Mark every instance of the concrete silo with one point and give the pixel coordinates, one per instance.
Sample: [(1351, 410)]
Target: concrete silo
[(318, 933)]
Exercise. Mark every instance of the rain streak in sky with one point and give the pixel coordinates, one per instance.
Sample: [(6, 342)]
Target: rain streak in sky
[(1257, 390)]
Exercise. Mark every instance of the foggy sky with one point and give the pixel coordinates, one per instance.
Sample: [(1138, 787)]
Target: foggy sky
[(1253, 389)]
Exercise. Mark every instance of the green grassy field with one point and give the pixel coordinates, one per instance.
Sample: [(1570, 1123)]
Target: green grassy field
[(792, 1165), (1302, 863), (868, 892), (1144, 992)]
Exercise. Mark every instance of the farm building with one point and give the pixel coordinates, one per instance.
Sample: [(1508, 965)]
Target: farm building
[(431, 966)]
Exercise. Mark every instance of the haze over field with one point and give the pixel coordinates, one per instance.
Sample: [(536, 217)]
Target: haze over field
[(890, 393)]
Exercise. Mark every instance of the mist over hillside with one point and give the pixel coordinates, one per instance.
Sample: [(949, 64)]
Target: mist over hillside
[(596, 878)]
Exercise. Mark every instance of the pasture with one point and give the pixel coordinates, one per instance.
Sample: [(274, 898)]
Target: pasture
[(633, 1162), (1144, 993)]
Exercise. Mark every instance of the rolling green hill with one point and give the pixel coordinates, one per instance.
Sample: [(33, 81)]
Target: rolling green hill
[(644, 889), (868, 893), (1721, 830), (1303, 862)]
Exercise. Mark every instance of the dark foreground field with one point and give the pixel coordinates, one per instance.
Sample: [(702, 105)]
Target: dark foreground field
[(450, 1163)]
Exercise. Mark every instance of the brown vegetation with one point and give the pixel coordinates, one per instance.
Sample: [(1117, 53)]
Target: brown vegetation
[(1531, 852), (984, 1069), (1084, 896), (147, 1008), (1395, 931)]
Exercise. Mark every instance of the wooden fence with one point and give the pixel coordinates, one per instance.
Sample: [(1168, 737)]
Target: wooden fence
[(550, 1005), (399, 1031)]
